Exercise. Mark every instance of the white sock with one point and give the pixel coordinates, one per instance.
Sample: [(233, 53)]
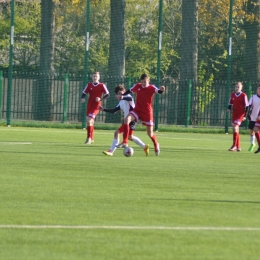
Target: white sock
[(252, 139), (138, 142), (114, 144)]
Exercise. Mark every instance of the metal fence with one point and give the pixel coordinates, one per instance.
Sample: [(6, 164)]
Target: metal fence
[(183, 103)]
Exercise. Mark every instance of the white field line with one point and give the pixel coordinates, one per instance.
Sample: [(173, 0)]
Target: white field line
[(14, 143), (130, 227)]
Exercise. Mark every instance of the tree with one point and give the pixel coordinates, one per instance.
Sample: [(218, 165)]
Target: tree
[(45, 83), (26, 36), (213, 38), (189, 40), (252, 28), (116, 61), (189, 53)]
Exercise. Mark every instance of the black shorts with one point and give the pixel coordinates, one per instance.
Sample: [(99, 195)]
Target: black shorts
[(132, 125), (251, 125)]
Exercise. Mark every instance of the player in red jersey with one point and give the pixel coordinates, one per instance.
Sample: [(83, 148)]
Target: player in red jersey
[(95, 90), (143, 109), (125, 105), (239, 101)]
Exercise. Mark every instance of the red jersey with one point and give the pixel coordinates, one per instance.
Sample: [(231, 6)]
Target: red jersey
[(239, 101), (144, 97), (95, 90)]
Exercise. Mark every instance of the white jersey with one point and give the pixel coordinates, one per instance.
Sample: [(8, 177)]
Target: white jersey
[(255, 103), (126, 106)]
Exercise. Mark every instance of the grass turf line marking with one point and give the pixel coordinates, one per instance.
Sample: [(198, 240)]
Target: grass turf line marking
[(8, 143), (131, 227)]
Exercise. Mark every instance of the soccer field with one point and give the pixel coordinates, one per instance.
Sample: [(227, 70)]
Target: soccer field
[(61, 199)]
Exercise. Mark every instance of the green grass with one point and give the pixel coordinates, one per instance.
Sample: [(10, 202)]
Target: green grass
[(113, 126), (49, 177)]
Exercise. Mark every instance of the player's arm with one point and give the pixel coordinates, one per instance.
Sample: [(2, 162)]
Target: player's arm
[(161, 90), (248, 112), (111, 111), (84, 93), (83, 97), (127, 93), (229, 104), (229, 108), (123, 96), (127, 98), (105, 97)]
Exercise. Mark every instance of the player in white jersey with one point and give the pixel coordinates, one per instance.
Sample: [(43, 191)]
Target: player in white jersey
[(125, 105), (256, 130), (254, 106)]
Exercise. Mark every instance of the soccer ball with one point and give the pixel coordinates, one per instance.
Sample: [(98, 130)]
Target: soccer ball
[(128, 151)]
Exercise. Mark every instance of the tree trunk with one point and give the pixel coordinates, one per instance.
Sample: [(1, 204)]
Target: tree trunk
[(189, 54), (116, 62), (253, 42), (46, 70)]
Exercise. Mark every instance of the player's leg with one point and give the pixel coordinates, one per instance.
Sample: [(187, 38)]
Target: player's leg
[(115, 142), (238, 139), (150, 133), (127, 120), (252, 136), (136, 139), (256, 130), (90, 130), (91, 115), (133, 138), (235, 128)]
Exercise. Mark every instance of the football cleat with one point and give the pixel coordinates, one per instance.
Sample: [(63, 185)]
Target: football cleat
[(258, 150), (89, 141), (146, 149), (157, 149), (122, 145), (251, 148), (238, 149), (233, 149), (108, 152)]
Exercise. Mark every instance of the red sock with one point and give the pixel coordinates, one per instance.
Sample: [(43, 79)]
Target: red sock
[(88, 131), (235, 139), (154, 140), (126, 133), (92, 132), (257, 136), (238, 140)]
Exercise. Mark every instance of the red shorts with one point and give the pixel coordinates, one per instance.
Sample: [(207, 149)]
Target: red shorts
[(147, 119), (237, 121), (92, 113)]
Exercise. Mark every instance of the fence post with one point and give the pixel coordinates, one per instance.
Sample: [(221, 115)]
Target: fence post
[(1, 92), (189, 103), (86, 60), (129, 82), (158, 63), (10, 70), (229, 60), (65, 98)]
